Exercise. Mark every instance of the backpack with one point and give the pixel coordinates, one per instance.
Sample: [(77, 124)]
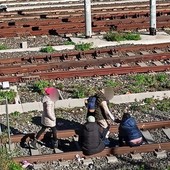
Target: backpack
[(91, 104)]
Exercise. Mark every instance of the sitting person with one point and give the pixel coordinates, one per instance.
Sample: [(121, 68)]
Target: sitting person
[(129, 132), (90, 140)]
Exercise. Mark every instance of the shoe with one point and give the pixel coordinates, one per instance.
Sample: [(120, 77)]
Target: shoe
[(33, 144), (106, 141), (55, 144)]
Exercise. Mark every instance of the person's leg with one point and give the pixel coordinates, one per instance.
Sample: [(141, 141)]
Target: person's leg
[(54, 131), (40, 132)]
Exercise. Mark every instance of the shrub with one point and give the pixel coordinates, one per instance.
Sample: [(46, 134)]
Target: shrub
[(6, 162), (83, 46), (10, 95), (113, 36), (3, 47), (47, 49), (39, 86)]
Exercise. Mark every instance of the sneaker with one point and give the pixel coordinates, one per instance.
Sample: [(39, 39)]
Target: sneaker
[(33, 144), (106, 141), (55, 144)]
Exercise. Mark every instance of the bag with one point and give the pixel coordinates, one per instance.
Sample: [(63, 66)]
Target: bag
[(91, 104)]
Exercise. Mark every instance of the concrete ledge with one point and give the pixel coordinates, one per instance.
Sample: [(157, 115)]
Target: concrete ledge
[(57, 48), (71, 103)]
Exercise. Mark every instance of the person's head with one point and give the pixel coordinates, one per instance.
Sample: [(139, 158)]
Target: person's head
[(107, 91), (91, 119), (125, 116), (52, 92)]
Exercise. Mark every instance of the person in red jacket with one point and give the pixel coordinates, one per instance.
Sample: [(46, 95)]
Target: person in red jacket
[(48, 119)]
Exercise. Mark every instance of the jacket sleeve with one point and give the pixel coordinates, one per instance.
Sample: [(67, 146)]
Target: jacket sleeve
[(49, 110), (107, 111)]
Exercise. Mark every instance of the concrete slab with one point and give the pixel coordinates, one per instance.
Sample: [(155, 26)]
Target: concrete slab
[(158, 63), (111, 159), (142, 64), (136, 156), (167, 132), (146, 134), (64, 163), (161, 154), (87, 161), (71, 103)]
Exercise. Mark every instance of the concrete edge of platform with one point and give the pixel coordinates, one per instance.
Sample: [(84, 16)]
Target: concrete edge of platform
[(71, 103)]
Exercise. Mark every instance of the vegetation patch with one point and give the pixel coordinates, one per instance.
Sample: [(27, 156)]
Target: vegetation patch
[(47, 49), (3, 47), (114, 36), (6, 162), (10, 95), (39, 86), (83, 46)]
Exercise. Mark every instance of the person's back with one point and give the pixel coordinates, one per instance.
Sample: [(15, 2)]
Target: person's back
[(90, 139), (129, 132)]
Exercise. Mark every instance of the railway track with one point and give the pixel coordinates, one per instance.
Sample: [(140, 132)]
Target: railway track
[(66, 21), (105, 61), (149, 146)]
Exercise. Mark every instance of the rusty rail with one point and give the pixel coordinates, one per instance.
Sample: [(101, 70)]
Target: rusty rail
[(114, 129)]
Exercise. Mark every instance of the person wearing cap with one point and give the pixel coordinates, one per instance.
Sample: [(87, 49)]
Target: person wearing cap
[(90, 139), (48, 119), (129, 132), (101, 112)]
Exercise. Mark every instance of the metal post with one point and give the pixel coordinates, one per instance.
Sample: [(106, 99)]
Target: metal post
[(152, 28), (87, 9), (8, 127)]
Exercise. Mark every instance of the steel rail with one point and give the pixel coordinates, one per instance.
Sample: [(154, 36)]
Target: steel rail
[(73, 132), (105, 152)]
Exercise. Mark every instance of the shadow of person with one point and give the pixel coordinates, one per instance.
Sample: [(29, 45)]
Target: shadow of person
[(63, 124), (36, 120), (12, 129)]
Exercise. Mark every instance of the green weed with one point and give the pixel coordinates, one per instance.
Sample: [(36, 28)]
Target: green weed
[(47, 49), (39, 86), (3, 47), (114, 36), (83, 46)]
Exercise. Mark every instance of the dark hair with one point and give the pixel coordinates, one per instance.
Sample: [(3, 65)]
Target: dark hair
[(125, 116)]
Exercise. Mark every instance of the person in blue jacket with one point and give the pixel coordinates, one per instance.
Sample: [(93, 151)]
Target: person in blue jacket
[(129, 132)]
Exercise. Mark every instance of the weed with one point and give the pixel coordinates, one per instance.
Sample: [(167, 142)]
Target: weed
[(47, 49), (163, 105), (10, 95), (83, 46), (15, 114), (39, 86), (3, 47), (111, 83), (69, 43), (149, 101), (114, 36)]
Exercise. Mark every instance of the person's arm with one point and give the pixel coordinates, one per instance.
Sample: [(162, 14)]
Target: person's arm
[(107, 111), (49, 111)]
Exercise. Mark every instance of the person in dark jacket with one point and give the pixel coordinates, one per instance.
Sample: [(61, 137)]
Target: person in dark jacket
[(90, 140), (129, 132)]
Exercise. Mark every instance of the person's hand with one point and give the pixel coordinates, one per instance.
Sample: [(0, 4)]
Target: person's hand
[(117, 120)]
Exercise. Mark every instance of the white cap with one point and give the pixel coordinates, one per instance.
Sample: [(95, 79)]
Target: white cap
[(91, 119)]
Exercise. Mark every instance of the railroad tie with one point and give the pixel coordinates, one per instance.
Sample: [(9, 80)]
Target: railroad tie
[(146, 134), (142, 64), (157, 63), (167, 132), (136, 156)]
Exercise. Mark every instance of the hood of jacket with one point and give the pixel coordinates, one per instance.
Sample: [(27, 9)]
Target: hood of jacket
[(45, 99), (90, 126), (130, 122)]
